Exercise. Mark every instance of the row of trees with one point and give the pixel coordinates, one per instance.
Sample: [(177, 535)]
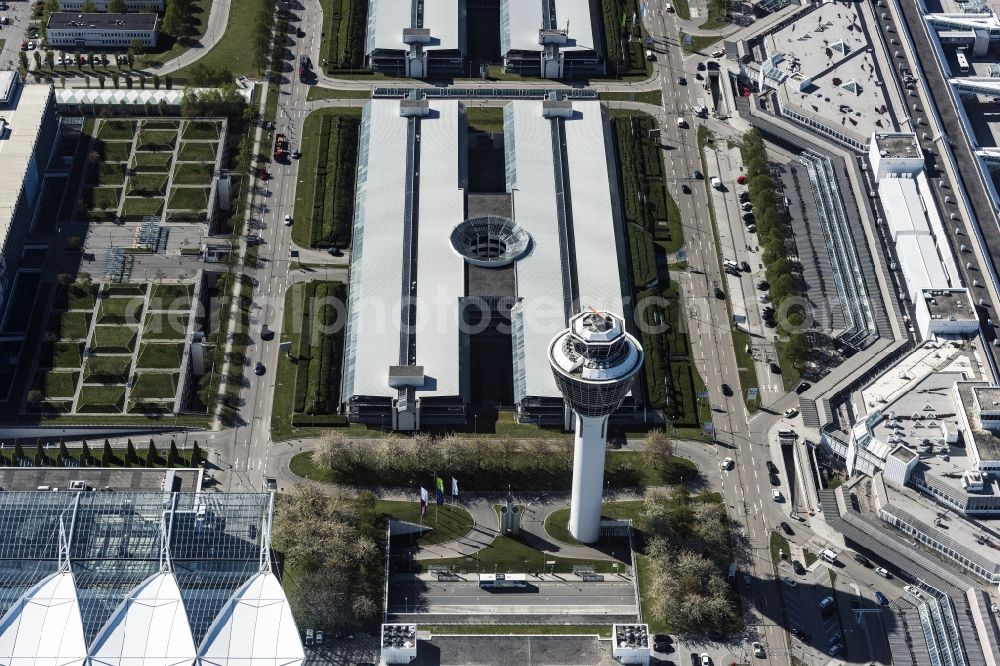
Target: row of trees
[(333, 558), (87, 458), (687, 542), (774, 235)]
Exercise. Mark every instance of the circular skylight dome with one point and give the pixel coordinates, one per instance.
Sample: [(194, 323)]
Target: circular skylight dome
[(490, 241)]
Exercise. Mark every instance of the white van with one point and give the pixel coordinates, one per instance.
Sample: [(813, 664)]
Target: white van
[(828, 555)]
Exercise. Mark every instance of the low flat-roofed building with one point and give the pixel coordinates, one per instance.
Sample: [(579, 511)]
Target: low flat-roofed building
[(72, 30), (416, 38), (895, 153), (28, 129), (946, 312), (102, 5), (550, 39)]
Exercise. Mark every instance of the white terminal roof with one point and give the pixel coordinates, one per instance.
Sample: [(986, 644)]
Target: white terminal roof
[(376, 299), (388, 18), (255, 628), (528, 142), (440, 270), (913, 220), (440, 273), (524, 20), (149, 628), (539, 275), (17, 146), (44, 627)]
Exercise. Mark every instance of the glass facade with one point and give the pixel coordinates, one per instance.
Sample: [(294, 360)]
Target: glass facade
[(116, 540)]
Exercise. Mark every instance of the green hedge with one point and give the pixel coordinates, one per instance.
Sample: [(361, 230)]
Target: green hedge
[(319, 350), (645, 199), (617, 22), (346, 27), (319, 420), (643, 255), (654, 364), (333, 197)]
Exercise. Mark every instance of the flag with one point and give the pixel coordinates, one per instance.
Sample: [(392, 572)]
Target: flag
[(423, 501), (440, 490), (454, 487)]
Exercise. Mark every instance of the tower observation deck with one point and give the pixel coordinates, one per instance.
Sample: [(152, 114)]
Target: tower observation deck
[(594, 363)]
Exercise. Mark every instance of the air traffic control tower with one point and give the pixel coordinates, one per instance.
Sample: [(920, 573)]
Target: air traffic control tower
[(594, 362)]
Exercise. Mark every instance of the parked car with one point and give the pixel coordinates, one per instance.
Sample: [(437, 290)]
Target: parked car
[(705, 659), (758, 650), (745, 266), (862, 560), (882, 571), (800, 634), (790, 412), (773, 478), (789, 581), (763, 285), (881, 599), (771, 467), (803, 387), (799, 569)]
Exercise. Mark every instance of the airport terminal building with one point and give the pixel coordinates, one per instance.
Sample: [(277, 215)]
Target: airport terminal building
[(471, 251)]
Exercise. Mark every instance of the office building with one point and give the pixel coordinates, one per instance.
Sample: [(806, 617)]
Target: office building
[(69, 30), (102, 5)]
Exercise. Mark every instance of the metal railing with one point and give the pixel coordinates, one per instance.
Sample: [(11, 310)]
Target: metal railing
[(502, 93)]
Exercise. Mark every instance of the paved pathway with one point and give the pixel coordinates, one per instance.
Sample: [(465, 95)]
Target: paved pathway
[(218, 19)]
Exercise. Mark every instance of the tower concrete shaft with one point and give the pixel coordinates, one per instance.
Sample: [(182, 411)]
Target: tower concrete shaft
[(594, 363), (588, 478)]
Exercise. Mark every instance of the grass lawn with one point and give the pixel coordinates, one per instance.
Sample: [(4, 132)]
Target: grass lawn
[(159, 162), (57, 384), (157, 140), (778, 543), (188, 198), (147, 184), (70, 325), (316, 93), (137, 207), (101, 399), (152, 385), (717, 10), (193, 173), (76, 297), (198, 130), (283, 400), (108, 174), (448, 522), (113, 339), (645, 97), (117, 151), (103, 198), (197, 152), (507, 555), (199, 23), (126, 289), (745, 366), (165, 326), (107, 369), (233, 51), (602, 631), (61, 355), (171, 297), (117, 129), (160, 355), (119, 310), (557, 522), (698, 43), (809, 556), (487, 120)]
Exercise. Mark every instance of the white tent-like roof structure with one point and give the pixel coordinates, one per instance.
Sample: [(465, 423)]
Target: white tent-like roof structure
[(255, 628), (131, 97), (149, 628), (44, 627)]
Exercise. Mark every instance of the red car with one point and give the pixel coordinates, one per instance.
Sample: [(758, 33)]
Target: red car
[(741, 179), (263, 174)]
